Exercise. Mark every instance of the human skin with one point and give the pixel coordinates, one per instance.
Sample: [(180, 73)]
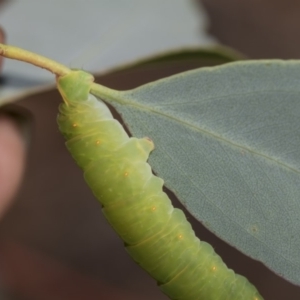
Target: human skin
[(12, 155)]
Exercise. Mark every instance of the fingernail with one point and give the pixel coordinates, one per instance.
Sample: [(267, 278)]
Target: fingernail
[(22, 119)]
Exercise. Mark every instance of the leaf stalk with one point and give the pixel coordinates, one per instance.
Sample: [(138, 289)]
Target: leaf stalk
[(34, 59)]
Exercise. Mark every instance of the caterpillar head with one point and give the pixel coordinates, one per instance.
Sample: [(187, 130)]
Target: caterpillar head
[(75, 86)]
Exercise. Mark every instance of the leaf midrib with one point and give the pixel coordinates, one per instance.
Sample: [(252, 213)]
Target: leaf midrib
[(117, 97)]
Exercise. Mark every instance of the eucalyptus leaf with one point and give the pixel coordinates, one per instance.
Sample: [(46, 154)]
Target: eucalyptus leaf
[(227, 144), (166, 64)]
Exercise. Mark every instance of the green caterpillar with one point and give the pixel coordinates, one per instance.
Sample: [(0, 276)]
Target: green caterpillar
[(156, 235)]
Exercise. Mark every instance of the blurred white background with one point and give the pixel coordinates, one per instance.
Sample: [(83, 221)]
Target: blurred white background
[(95, 35)]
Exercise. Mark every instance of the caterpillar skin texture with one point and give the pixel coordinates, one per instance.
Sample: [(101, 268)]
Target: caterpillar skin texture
[(156, 235)]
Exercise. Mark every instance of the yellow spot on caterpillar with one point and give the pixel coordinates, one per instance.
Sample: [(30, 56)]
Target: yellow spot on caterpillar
[(180, 236), (214, 268), (97, 142), (74, 125), (153, 208), (126, 174)]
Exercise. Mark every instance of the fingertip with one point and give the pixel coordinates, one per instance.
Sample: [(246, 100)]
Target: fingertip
[(12, 160)]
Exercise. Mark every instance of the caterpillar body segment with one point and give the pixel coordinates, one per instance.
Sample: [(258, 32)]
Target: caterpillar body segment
[(157, 235)]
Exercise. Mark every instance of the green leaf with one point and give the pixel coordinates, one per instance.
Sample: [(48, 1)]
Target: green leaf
[(168, 63), (195, 56), (227, 143)]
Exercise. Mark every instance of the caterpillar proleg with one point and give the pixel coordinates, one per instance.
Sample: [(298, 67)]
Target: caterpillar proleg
[(156, 235)]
